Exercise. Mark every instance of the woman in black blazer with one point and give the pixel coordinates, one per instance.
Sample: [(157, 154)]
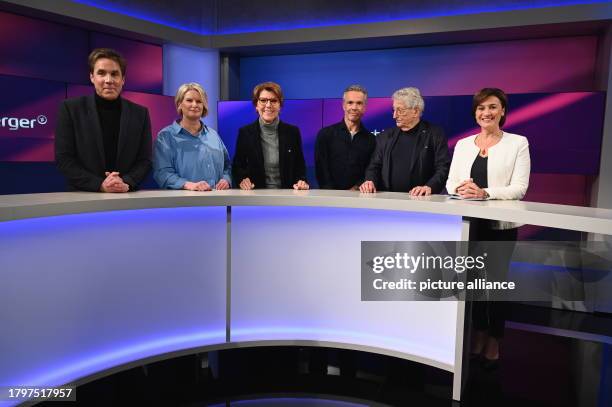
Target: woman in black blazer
[(269, 151)]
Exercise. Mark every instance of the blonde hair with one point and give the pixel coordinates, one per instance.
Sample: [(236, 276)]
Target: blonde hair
[(186, 87)]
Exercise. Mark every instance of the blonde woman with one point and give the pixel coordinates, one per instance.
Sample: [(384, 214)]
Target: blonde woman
[(188, 154)]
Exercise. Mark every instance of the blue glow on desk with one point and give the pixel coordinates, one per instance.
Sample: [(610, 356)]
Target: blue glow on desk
[(118, 355), (83, 293)]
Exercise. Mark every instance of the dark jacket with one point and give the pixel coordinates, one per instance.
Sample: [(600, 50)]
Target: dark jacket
[(249, 161), (341, 161), (430, 161), (79, 146)]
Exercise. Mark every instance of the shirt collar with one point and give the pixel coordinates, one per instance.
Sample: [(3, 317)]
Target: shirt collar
[(176, 129), (345, 127)]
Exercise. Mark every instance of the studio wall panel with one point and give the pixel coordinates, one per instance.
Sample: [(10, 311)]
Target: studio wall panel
[(39, 49), (144, 61), (538, 65), (187, 64), (564, 129), (161, 108), (28, 115)]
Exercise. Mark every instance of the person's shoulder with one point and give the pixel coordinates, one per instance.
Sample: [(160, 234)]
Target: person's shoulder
[(432, 128), (166, 133), (388, 133), (283, 126), (212, 132), (135, 106), (252, 126), (364, 130), (329, 130), (76, 102), (515, 138), (466, 141)]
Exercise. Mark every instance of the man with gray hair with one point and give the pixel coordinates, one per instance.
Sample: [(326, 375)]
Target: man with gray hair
[(412, 157), (343, 150)]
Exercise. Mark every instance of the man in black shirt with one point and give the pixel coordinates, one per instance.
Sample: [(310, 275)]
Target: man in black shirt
[(102, 141), (343, 150), (412, 157)]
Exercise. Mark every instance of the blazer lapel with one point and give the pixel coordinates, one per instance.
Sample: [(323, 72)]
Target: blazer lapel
[(387, 175), (255, 139), (282, 148), (420, 135), (123, 129), (96, 129)]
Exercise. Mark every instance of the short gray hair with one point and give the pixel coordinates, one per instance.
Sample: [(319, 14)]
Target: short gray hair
[(356, 88), (411, 97)]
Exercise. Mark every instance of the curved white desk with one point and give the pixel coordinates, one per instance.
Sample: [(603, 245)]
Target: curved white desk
[(585, 219), (94, 283)]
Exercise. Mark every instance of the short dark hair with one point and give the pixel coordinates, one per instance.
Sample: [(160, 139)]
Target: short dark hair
[(99, 53), (270, 87), (484, 93)]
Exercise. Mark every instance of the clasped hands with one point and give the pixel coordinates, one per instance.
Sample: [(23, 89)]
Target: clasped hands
[(113, 183), (246, 184), (205, 186), (368, 187), (468, 189)]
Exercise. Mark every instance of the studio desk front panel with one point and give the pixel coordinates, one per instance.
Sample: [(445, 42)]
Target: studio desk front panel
[(296, 276), (86, 294), (95, 283), (81, 294)]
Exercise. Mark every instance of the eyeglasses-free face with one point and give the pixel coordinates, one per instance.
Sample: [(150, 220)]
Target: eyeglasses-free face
[(107, 78)]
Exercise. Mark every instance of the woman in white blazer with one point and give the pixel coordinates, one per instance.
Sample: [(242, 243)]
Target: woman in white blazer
[(492, 164)]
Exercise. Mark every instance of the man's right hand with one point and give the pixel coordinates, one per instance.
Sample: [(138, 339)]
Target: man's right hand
[(113, 183), (367, 187), (246, 184)]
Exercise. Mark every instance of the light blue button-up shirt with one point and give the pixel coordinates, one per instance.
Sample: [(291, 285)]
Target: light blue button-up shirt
[(180, 157)]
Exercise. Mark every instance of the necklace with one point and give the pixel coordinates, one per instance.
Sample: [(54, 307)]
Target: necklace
[(484, 146)]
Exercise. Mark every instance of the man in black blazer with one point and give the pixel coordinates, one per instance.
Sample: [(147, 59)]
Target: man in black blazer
[(269, 151), (102, 141), (412, 157)]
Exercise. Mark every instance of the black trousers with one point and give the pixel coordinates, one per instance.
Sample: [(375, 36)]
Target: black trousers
[(491, 316)]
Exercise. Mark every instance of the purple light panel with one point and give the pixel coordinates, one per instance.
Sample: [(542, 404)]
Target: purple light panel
[(28, 115), (524, 66), (305, 114), (161, 108), (144, 61), (40, 49), (564, 129)]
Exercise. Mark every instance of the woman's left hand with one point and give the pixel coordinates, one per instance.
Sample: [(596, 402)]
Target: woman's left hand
[(222, 184), (468, 189)]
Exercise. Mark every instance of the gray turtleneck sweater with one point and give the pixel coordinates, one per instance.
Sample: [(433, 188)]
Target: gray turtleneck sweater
[(269, 145)]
